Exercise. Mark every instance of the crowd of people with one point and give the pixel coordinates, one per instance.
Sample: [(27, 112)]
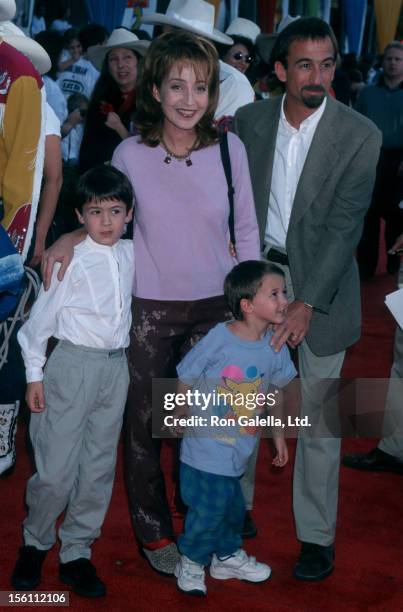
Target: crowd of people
[(244, 192)]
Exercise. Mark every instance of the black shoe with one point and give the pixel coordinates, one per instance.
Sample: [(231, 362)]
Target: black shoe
[(393, 264), (366, 274), (81, 575), (374, 461), (28, 569), (8, 472), (249, 529), (315, 562)]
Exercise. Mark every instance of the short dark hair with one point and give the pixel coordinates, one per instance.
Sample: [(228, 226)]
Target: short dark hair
[(394, 44), (92, 34), (244, 281), (308, 28), (103, 183), (70, 35), (165, 51), (74, 100), (52, 42)]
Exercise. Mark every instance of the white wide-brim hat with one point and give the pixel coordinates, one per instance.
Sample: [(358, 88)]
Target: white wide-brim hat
[(194, 16), (245, 28), (120, 38), (7, 9), (15, 37)]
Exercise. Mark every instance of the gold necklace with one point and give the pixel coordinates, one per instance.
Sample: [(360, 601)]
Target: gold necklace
[(171, 154)]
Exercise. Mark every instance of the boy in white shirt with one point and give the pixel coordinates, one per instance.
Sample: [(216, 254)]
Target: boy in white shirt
[(76, 73), (77, 404)]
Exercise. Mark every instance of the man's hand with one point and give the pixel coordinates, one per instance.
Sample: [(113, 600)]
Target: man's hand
[(35, 397), (295, 327), (398, 246), (281, 457)]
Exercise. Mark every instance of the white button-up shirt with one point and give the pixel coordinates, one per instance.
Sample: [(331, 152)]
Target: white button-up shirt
[(235, 91), (90, 307), (292, 146)]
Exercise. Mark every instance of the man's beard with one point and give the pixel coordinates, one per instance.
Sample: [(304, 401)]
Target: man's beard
[(315, 100)]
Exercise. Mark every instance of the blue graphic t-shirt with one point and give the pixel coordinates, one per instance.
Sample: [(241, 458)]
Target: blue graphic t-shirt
[(228, 377)]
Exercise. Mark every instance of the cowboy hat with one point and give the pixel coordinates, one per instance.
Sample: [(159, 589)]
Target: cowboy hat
[(286, 22), (264, 45), (120, 38), (7, 9), (194, 16), (243, 27), (15, 37)]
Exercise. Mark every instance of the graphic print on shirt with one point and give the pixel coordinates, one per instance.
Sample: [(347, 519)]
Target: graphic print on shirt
[(5, 82), (74, 84), (239, 390)]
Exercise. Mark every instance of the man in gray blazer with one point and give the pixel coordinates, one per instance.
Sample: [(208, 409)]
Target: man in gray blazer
[(312, 162)]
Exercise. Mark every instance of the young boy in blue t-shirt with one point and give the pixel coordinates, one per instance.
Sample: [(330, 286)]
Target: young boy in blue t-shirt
[(233, 361)]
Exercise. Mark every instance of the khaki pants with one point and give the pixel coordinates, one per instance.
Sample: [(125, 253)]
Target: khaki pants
[(75, 444), (317, 461)]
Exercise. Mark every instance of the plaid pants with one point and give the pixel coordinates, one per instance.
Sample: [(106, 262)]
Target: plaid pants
[(216, 511)]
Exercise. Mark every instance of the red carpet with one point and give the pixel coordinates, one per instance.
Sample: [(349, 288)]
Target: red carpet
[(368, 575)]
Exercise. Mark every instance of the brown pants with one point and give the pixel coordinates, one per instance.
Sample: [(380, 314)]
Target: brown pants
[(162, 333)]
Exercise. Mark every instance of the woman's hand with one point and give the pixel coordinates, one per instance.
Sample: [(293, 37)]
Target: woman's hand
[(61, 251), (232, 249), (114, 122)]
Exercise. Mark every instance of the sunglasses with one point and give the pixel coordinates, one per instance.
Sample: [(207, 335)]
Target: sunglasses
[(240, 56)]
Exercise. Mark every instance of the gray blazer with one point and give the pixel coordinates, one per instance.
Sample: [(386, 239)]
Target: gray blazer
[(332, 197)]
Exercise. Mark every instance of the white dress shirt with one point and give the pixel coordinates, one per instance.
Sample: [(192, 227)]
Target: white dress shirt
[(292, 146), (90, 307), (235, 91)]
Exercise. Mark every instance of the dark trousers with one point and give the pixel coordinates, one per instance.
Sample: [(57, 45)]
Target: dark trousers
[(388, 192), (161, 334)]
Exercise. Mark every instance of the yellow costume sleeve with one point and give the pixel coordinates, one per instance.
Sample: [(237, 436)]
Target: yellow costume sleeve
[(21, 131)]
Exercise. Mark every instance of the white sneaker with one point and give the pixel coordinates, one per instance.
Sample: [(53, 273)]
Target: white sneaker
[(241, 566), (190, 577)]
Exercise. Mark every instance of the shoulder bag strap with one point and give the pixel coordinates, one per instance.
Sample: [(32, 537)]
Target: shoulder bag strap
[(226, 162)]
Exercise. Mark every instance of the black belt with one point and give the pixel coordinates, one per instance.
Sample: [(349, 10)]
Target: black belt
[(277, 257)]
